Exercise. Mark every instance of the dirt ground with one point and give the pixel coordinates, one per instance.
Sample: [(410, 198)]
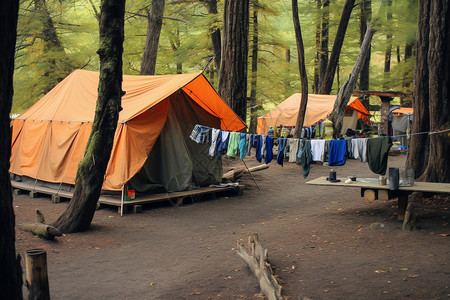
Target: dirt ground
[(318, 238)]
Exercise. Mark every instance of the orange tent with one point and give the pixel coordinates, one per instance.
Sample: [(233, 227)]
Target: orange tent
[(319, 107), (49, 139)]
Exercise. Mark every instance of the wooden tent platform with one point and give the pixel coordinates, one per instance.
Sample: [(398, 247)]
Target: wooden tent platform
[(371, 190), (136, 204)]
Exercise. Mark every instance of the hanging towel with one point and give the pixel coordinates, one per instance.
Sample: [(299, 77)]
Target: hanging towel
[(306, 157), (359, 149), (233, 144), (258, 147), (377, 154), (293, 149), (281, 150), (242, 144), (317, 149), (269, 150), (338, 150), (214, 135)]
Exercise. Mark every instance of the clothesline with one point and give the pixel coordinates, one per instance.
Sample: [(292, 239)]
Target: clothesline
[(302, 151)]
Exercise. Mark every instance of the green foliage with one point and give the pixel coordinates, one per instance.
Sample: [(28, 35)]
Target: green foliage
[(185, 44)]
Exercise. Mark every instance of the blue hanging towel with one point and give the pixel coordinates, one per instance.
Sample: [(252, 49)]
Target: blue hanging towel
[(281, 150), (338, 151), (242, 145), (269, 153), (258, 147)]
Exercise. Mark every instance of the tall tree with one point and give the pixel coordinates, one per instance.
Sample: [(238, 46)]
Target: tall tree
[(254, 107), (317, 51), (148, 65), (215, 32), (10, 270), (327, 82), (347, 88), (388, 52), (233, 66), (302, 70), (418, 151), (89, 180), (433, 30), (366, 16), (324, 38)]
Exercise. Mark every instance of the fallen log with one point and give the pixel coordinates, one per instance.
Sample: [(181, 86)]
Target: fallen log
[(235, 174), (41, 229), (261, 268)]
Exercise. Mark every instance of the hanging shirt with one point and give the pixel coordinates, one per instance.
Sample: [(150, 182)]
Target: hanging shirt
[(233, 144), (214, 135), (269, 150), (293, 149), (306, 157), (263, 145), (249, 143), (326, 151), (317, 149), (242, 144), (338, 150), (377, 154), (223, 146), (359, 149), (281, 149)]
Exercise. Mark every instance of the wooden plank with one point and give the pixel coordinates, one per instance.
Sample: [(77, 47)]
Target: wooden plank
[(115, 201), (372, 183), (40, 189)]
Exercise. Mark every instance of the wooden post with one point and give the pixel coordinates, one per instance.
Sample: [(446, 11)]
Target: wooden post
[(402, 204), (37, 279)]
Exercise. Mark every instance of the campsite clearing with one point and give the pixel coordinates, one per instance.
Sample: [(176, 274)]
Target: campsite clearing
[(318, 237)]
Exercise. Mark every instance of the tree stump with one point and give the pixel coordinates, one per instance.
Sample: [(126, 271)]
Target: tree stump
[(37, 278)]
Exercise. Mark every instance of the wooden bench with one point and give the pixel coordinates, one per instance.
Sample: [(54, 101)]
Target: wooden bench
[(371, 190)]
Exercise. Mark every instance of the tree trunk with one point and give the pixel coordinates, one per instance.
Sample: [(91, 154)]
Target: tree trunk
[(233, 66), (317, 52), (366, 16), (347, 88), (388, 52), (148, 65), (53, 51), (89, 180), (176, 43), (327, 82), (417, 158), (439, 77), (254, 107), (323, 57), (10, 269), (215, 34), (302, 70)]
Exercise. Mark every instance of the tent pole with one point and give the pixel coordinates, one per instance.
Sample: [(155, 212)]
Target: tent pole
[(250, 174), (121, 201)]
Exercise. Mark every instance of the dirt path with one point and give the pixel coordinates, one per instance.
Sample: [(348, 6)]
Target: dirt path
[(318, 239)]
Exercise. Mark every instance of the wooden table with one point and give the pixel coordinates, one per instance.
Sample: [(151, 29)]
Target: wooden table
[(371, 190)]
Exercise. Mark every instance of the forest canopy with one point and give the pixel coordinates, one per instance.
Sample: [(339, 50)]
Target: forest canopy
[(57, 37)]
